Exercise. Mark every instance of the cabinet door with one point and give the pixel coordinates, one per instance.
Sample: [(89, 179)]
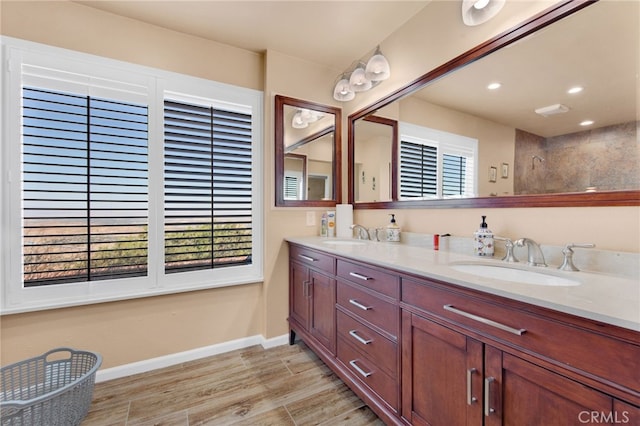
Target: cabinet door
[(299, 296), (323, 310), (441, 374), (625, 413), (532, 395)]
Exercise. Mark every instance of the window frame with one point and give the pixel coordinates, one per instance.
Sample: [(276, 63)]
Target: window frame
[(17, 298)]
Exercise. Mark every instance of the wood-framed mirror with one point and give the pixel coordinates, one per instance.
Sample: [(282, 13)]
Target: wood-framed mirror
[(496, 173), (308, 153)]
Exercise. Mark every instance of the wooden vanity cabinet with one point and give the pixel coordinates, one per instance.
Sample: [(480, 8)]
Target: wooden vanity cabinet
[(425, 352), (312, 296), (470, 361), (368, 329), (452, 379)]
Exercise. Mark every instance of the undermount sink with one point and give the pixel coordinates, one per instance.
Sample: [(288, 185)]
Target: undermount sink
[(345, 242), (506, 273)]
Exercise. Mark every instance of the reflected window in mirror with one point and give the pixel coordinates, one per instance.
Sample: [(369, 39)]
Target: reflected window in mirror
[(308, 152), (436, 164)]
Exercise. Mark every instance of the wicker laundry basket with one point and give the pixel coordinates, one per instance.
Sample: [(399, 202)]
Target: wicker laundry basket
[(52, 389)]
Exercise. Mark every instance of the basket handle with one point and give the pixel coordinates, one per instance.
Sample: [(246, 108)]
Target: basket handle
[(57, 351)]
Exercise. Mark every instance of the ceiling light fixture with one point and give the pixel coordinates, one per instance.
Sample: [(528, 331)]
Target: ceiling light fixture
[(586, 123), (574, 90), (476, 12), (362, 77), (494, 86)]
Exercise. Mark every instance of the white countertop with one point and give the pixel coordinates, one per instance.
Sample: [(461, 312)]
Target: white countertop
[(602, 297)]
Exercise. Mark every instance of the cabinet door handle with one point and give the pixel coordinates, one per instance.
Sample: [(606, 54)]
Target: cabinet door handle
[(358, 369), (470, 398), (308, 258), (360, 276), (354, 334), (305, 289), (359, 305), (487, 321), (488, 410)]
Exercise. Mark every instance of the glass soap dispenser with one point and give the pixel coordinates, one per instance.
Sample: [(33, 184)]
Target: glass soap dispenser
[(483, 240)]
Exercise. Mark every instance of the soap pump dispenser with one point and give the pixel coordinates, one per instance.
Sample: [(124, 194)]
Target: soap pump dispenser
[(483, 240), (393, 230)]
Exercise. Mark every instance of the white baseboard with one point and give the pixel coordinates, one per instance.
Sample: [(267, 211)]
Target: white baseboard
[(191, 355), (275, 341)]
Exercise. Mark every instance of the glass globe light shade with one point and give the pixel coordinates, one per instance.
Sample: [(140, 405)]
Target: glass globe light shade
[(378, 68), (358, 82), (298, 121), (342, 92)]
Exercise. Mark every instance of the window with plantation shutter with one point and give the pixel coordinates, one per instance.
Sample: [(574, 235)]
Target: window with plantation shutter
[(85, 199), (418, 170), (454, 173), (291, 186), (208, 212), (122, 181), (436, 164)]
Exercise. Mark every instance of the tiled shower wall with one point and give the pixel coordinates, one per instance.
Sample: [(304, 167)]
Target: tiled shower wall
[(605, 159)]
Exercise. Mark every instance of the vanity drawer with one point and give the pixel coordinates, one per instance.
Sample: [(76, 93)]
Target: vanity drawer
[(562, 343), (362, 304), (313, 258), (382, 282), (381, 351), (369, 373)]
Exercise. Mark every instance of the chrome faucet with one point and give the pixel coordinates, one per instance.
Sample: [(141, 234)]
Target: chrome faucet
[(362, 232), (567, 264), (534, 253), (509, 257)]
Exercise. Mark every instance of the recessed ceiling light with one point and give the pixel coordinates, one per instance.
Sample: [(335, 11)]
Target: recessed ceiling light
[(574, 90), (494, 86), (586, 123)]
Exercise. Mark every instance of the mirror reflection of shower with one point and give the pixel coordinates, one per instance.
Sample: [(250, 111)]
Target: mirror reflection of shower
[(533, 161)]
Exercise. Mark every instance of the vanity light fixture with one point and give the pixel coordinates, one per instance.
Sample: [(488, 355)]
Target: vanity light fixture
[(362, 77), (303, 117), (476, 12)]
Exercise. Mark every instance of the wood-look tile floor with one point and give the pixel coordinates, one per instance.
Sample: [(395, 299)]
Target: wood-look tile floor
[(285, 385)]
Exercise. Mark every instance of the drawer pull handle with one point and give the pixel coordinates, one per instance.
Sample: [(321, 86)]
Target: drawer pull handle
[(307, 258), (354, 334), (360, 276), (470, 398), (488, 410), (358, 369), (359, 305), (487, 321)]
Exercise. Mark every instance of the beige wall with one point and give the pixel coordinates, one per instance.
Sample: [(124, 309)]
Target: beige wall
[(135, 330)]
